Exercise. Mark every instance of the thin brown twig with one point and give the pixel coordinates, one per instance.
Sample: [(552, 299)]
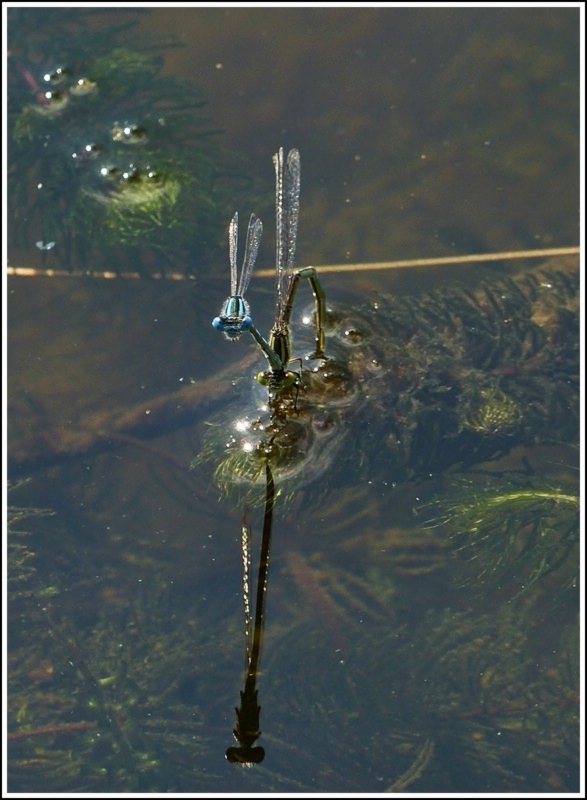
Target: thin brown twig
[(437, 262), (508, 255), (52, 730)]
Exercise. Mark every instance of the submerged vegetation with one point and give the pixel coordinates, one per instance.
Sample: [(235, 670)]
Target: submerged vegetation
[(125, 645), (109, 694), (108, 709), (21, 559), (465, 376), (498, 707), (109, 159), (461, 378), (454, 377), (502, 716), (114, 678), (514, 531)]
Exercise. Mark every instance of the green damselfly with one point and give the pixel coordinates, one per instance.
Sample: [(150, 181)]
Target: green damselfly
[(247, 729), (287, 209)]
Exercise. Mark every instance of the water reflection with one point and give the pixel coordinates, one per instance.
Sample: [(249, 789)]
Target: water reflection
[(247, 729), (126, 638)]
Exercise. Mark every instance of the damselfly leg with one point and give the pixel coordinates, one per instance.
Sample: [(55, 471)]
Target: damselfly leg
[(320, 299)]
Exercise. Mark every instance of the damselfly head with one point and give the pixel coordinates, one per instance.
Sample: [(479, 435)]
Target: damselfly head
[(234, 318), (232, 327)]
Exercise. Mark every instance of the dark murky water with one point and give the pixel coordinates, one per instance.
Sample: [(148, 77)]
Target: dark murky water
[(421, 629)]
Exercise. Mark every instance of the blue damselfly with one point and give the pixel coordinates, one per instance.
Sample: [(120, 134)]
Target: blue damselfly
[(234, 318)]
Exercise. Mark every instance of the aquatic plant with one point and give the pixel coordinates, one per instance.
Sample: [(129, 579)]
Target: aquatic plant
[(21, 567), (109, 161), (426, 383), (513, 529), (459, 377), (502, 704), (448, 702), (496, 704), (107, 705)]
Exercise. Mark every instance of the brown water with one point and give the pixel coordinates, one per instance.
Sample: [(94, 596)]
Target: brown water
[(422, 132)]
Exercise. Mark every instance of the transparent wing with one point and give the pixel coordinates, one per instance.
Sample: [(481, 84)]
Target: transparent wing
[(292, 206), (232, 249), (280, 237), (287, 209), (254, 233)]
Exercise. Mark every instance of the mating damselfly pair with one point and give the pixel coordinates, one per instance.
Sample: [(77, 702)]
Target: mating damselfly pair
[(234, 318)]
